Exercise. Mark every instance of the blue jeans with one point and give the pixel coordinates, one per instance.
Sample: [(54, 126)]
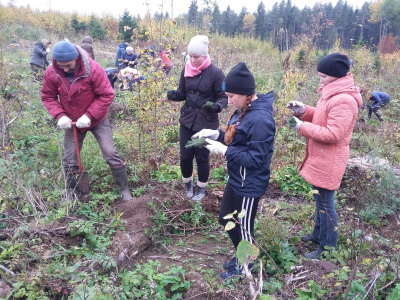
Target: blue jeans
[(326, 228)]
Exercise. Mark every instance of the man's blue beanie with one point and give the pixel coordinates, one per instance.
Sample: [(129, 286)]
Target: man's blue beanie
[(64, 51)]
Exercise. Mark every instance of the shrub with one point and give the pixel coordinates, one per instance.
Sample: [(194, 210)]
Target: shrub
[(381, 197), (272, 237)]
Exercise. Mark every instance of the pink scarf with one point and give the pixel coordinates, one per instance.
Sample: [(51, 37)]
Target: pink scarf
[(191, 71)]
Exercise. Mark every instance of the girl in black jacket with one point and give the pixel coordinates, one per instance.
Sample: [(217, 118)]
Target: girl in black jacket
[(248, 149), (200, 82)]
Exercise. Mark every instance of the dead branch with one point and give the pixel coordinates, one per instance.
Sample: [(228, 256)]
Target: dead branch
[(255, 286), (195, 296), (7, 270), (175, 258), (198, 251)]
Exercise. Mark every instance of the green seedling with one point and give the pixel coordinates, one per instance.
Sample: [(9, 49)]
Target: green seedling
[(199, 143), (209, 104), (292, 122)]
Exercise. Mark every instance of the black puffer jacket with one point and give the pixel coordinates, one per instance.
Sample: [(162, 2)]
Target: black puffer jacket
[(196, 91)]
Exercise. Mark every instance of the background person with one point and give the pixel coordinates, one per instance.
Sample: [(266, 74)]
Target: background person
[(328, 128), (377, 101), (118, 58), (87, 45), (76, 88), (128, 58), (166, 64), (39, 60), (200, 82), (249, 138), (113, 74)]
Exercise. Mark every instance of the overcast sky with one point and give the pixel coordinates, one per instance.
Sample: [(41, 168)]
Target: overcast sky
[(116, 8)]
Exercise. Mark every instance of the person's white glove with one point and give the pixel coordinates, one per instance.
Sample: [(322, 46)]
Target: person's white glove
[(48, 50), (297, 107), (216, 147), (83, 122), (64, 122), (206, 133), (295, 123)]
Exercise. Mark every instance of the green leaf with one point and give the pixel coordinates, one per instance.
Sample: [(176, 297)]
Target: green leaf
[(20, 293), (246, 252), (242, 213), (230, 216), (230, 225)]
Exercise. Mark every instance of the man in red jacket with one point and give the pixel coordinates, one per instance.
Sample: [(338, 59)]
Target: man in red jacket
[(76, 88)]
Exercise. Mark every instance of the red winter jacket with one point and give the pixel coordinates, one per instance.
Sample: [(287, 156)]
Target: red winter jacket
[(90, 92), (328, 128)]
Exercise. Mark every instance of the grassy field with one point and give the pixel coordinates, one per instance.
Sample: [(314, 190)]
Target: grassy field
[(160, 246)]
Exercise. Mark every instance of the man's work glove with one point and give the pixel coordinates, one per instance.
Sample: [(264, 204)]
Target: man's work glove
[(297, 107), (294, 122), (83, 122), (64, 122), (171, 95), (216, 147), (206, 133), (212, 107)]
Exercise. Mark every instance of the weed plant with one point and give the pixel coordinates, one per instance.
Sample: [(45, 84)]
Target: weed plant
[(148, 282), (381, 197), (272, 236)]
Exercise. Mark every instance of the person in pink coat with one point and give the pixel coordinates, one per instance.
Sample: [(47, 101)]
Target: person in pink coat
[(328, 129)]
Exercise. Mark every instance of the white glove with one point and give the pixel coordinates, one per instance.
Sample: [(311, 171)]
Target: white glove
[(216, 147), (48, 50), (83, 122), (206, 133), (297, 107), (64, 122), (298, 123)]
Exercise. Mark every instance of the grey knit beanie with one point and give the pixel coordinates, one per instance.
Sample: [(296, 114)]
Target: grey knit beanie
[(198, 45)]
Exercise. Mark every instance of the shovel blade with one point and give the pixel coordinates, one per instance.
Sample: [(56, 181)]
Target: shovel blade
[(83, 183)]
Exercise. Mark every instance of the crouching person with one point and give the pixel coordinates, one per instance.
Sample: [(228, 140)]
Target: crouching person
[(76, 89)]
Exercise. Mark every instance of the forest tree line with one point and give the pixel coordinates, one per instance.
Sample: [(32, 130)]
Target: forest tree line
[(375, 25), (320, 26)]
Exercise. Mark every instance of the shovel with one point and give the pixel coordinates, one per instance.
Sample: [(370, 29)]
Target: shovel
[(83, 179)]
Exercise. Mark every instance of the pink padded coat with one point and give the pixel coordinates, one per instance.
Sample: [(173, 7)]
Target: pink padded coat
[(328, 128)]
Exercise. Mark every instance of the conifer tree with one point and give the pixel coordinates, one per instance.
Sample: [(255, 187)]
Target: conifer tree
[(126, 25), (97, 29)]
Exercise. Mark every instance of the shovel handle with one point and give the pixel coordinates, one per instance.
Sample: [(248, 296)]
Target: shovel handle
[(73, 124)]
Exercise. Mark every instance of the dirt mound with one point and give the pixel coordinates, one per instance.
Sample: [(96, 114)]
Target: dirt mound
[(128, 243)]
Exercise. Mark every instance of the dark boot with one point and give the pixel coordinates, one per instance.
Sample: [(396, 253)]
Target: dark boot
[(71, 182), (317, 254), (200, 194), (379, 117), (121, 179), (309, 238), (189, 189)]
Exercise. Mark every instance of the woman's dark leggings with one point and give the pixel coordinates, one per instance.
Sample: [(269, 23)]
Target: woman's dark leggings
[(232, 202), (187, 155)]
